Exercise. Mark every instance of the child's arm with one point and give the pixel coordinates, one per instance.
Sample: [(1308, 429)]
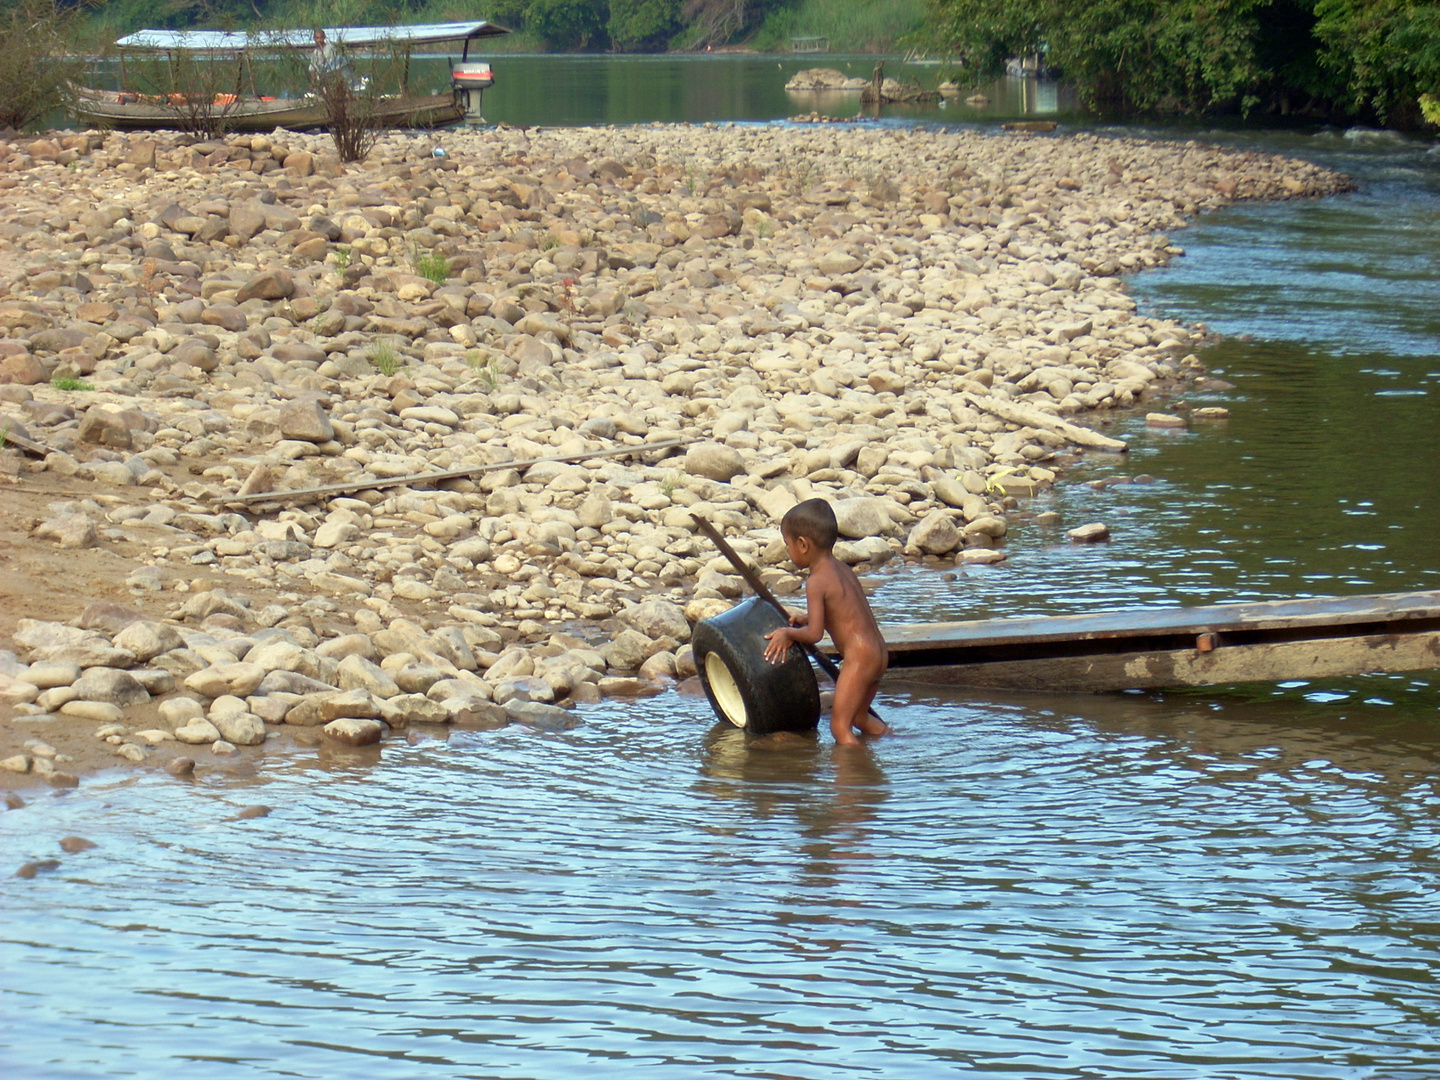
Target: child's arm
[(811, 631)]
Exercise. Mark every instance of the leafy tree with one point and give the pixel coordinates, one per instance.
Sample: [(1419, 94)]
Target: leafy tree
[(1387, 52), (643, 24), (1124, 55), (568, 24)]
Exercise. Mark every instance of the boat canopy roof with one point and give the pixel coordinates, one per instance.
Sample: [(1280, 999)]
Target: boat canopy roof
[(454, 34)]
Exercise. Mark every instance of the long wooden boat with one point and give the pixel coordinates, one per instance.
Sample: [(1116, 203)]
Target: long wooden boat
[(131, 112), (1268, 641), (248, 110)]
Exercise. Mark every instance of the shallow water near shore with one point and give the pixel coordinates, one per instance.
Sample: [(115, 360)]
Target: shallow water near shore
[(1223, 883), (1072, 887)]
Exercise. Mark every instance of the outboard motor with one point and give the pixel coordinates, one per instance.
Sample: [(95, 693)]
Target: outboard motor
[(470, 78)]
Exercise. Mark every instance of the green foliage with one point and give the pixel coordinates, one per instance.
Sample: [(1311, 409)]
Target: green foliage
[(849, 25), (567, 24), (486, 369), (1379, 57), (37, 62), (432, 266), (579, 25), (69, 382), (1386, 52), (642, 25), (384, 358), (1186, 56)]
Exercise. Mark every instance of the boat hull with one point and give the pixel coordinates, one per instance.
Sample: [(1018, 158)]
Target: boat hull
[(104, 109)]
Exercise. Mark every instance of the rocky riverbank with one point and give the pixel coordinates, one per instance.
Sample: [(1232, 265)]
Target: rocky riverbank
[(912, 324)]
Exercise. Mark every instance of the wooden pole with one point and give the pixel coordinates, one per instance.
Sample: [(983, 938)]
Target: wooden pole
[(307, 494)]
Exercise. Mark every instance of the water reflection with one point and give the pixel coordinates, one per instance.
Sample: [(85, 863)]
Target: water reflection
[(832, 793)]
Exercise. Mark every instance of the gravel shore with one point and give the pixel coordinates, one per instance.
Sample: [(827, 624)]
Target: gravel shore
[(923, 327)]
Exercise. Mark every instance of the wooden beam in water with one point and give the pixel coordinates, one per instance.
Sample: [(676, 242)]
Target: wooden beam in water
[(1153, 648)]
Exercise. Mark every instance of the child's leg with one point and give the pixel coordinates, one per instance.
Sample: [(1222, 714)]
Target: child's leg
[(870, 725), (854, 690)]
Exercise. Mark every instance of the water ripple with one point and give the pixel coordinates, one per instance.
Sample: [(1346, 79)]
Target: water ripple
[(1060, 893)]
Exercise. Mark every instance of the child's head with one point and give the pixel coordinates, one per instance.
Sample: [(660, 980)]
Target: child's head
[(812, 521)]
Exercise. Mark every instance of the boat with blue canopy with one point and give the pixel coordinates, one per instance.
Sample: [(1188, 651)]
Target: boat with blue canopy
[(239, 104)]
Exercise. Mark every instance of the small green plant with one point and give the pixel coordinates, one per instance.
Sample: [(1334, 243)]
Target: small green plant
[(69, 382), (486, 369), (342, 258), (669, 484), (550, 242), (764, 228), (384, 357), (432, 266)]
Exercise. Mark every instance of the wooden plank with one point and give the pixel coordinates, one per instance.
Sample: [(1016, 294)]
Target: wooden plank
[(1276, 662), (14, 438), (1160, 622), (425, 479)]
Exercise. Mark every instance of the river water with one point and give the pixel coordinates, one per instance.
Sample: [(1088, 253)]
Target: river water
[(1232, 882)]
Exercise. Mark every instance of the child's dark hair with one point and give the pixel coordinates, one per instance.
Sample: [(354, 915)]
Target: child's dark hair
[(814, 520)]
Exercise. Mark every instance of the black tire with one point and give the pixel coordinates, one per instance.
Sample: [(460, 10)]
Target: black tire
[(745, 688)]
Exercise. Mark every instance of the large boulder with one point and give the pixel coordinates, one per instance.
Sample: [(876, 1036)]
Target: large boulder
[(656, 619), (866, 516), (110, 685), (306, 421), (934, 534), (714, 461), (824, 79)]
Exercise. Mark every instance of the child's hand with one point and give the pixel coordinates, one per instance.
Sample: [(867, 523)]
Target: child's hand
[(779, 645)]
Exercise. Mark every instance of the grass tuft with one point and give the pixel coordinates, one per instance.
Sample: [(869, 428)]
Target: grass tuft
[(432, 266), (385, 359)]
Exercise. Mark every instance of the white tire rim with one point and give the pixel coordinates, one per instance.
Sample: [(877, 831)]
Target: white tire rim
[(727, 694)]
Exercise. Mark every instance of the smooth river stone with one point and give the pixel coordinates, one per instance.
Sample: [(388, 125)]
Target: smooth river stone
[(239, 679), (354, 731)]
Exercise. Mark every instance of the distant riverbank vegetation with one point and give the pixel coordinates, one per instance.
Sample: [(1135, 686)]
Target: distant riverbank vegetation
[(1376, 60), (563, 25), (1368, 60)]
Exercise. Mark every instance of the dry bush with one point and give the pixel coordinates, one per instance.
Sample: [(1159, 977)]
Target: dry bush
[(39, 61), (201, 91), (353, 92)]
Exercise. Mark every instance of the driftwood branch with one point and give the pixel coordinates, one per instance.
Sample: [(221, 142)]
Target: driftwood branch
[(1030, 416), (430, 478)]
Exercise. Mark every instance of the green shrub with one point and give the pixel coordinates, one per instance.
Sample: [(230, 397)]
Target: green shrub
[(432, 266), (385, 359), (69, 382)]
